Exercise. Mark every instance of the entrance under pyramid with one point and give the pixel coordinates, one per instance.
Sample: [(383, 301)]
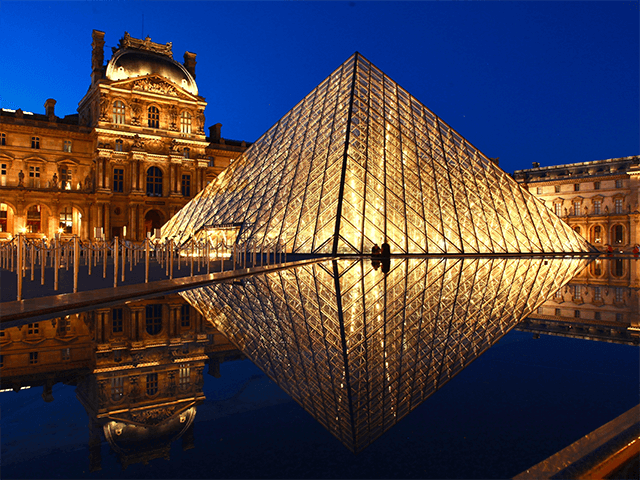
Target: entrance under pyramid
[(360, 161)]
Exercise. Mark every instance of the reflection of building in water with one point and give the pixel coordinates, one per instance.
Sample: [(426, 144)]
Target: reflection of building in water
[(598, 199), (359, 349), (601, 303), (138, 370), (360, 161)]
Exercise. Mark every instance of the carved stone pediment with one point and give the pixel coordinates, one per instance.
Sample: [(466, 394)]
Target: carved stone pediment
[(155, 84)]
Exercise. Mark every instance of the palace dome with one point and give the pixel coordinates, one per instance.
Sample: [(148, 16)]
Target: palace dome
[(131, 63)]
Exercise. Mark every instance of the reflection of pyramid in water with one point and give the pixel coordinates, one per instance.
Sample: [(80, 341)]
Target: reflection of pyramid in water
[(359, 160), (359, 349)]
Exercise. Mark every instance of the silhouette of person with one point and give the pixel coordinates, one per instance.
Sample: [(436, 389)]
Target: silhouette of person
[(375, 250), (385, 250)]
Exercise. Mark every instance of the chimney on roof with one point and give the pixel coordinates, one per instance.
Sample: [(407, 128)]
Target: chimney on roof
[(535, 164), (214, 133), (97, 56), (50, 108), (190, 63)]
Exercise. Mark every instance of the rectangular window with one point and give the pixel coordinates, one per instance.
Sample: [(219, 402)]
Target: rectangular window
[(65, 178), (3, 139), (576, 187), (117, 388), (577, 292), (66, 354), (66, 146), (152, 384), (557, 312), (118, 180), (576, 313), (618, 205), (66, 220), (558, 294), (597, 207), (597, 294), (619, 295), (598, 316), (34, 176), (33, 329), (1, 360), (557, 188), (33, 358), (185, 315), (119, 145), (3, 174), (186, 185), (185, 376), (35, 142), (539, 190), (116, 320), (576, 208), (619, 317), (596, 185), (618, 183), (558, 209)]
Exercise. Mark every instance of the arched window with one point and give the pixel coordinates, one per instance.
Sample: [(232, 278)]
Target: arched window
[(118, 112), (153, 319), (597, 234), (154, 117), (577, 230), (4, 214), (66, 220), (185, 122), (154, 182), (617, 234), (617, 268), (186, 152), (34, 219)]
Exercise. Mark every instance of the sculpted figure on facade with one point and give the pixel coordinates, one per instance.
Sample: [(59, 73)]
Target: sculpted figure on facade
[(54, 180), (200, 121), (135, 108), (173, 117), (104, 107)]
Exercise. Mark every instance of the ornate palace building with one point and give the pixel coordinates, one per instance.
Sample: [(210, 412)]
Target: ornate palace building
[(599, 199), (134, 154)]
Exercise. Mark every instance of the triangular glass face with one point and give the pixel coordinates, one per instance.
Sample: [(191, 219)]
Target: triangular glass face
[(359, 161), (359, 349)]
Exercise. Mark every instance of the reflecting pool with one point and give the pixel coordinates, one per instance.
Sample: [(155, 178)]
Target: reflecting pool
[(307, 372)]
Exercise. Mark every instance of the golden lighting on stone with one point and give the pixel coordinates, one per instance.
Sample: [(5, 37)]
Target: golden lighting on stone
[(359, 160), (360, 349)]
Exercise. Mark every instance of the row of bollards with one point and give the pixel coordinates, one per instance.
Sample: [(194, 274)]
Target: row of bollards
[(21, 254)]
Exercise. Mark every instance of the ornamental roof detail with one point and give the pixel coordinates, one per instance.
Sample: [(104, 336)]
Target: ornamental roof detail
[(359, 161), (359, 349)]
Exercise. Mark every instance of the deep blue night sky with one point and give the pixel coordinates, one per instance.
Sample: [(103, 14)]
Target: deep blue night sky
[(554, 82)]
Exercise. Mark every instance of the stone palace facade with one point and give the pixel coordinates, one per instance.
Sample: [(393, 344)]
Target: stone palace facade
[(134, 154)]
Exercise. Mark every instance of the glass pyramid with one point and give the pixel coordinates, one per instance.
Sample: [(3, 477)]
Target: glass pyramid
[(359, 160), (359, 349)]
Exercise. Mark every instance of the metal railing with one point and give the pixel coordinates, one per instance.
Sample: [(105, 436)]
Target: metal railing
[(22, 255)]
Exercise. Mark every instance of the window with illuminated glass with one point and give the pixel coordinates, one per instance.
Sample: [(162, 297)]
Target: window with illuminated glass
[(119, 145), (186, 152), (117, 388), (185, 376), (185, 122), (118, 112), (597, 234), (557, 207), (3, 174), (576, 208), (65, 178), (66, 220), (153, 117), (618, 234), (34, 176), (617, 206), (34, 219), (597, 294), (4, 217), (66, 146), (618, 183), (597, 207)]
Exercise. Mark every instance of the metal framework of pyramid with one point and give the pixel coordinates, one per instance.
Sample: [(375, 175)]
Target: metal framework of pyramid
[(359, 349), (359, 161)]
